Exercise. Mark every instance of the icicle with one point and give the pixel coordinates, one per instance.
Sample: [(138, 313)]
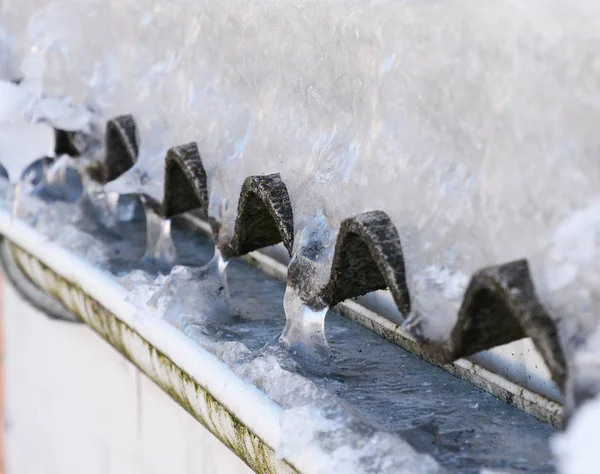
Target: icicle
[(159, 242), (304, 332), (305, 310), (112, 203), (56, 172), (218, 265), (15, 199)]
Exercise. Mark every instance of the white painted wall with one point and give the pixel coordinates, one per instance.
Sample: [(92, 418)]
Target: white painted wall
[(75, 405)]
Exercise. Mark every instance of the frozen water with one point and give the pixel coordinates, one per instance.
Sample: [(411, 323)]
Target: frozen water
[(304, 332), (459, 121), (472, 126), (57, 171), (305, 311), (62, 115), (196, 300), (14, 101), (576, 450), (383, 409), (145, 177), (197, 303), (26, 122), (159, 243), (27, 137), (22, 144), (373, 452), (436, 290), (7, 66), (221, 264), (110, 208)]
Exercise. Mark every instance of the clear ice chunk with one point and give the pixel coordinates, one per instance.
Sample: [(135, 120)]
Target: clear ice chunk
[(304, 332), (195, 300), (159, 242), (145, 177)]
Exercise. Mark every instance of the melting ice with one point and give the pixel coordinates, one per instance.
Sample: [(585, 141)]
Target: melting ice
[(376, 128)]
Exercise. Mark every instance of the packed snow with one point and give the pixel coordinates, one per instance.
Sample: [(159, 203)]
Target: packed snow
[(575, 449)]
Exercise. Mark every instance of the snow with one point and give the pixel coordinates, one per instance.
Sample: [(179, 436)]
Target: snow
[(22, 144), (26, 126), (575, 449), (458, 120)]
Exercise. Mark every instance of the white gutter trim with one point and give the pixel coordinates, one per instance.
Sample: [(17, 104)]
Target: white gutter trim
[(253, 408)]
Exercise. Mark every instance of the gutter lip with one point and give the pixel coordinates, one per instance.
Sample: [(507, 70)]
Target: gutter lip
[(35, 295), (251, 406)]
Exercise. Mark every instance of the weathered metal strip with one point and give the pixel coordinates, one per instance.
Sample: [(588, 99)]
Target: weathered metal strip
[(368, 257), (121, 146), (500, 305), (541, 407), (264, 216), (186, 186), (182, 388)]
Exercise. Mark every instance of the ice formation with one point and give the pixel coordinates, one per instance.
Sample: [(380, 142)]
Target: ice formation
[(159, 244), (28, 136), (305, 310), (460, 130), (472, 127), (575, 449), (22, 140), (192, 299), (195, 300), (304, 331), (177, 296)]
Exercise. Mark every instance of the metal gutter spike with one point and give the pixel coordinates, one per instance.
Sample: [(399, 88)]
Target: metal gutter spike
[(368, 257), (500, 306), (121, 146), (264, 216), (185, 187), (66, 143), (74, 143)]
